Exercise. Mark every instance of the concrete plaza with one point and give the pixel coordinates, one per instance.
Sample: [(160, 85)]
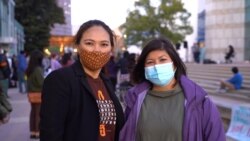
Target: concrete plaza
[(17, 129)]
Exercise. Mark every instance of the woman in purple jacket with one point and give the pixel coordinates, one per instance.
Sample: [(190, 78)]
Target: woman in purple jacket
[(165, 105)]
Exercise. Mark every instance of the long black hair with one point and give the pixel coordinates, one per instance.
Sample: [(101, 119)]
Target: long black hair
[(138, 74), (35, 60)]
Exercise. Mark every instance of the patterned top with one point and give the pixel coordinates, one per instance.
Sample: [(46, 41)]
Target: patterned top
[(106, 110)]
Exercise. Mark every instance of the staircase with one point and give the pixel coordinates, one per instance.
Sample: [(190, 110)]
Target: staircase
[(208, 76)]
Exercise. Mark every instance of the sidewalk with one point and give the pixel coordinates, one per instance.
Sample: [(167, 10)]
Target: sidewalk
[(17, 129)]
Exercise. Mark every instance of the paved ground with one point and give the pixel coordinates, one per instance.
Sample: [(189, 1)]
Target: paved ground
[(17, 129)]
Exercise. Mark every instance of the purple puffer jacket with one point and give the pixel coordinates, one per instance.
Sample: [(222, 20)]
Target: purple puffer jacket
[(202, 120)]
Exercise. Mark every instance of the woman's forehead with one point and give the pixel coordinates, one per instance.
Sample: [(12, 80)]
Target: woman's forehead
[(96, 33), (157, 54)]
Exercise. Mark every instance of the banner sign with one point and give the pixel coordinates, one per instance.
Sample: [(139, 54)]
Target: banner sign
[(239, 128)]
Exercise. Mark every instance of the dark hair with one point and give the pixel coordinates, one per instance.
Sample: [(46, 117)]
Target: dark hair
[(125, 54), (35, 60), (231, 48), (85, 26), (22, 52), (65, 58), (235, 70), (138, 75)]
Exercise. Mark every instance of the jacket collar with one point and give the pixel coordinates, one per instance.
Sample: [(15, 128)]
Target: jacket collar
[(77, 67), (79, 71), (191, 90)]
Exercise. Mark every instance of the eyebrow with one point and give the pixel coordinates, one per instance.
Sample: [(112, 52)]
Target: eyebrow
[(95, 41)]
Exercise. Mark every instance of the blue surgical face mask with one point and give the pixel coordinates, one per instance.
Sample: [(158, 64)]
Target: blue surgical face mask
[(161, 74)]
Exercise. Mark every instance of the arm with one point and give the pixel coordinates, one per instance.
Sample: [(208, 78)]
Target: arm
[(232, 79), (212, 124), (54, 107), (39, 77)]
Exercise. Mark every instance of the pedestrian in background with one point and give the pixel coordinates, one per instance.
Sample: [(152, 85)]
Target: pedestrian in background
[(5, 72), (165, 105), (112, 71), (202, 53), (122, 65), (35, 80), (233, 83), (14, 77), (54, 63), (5, 108), (229, 54), (67, 60), (196, 52), (21, 68), (78, 102)]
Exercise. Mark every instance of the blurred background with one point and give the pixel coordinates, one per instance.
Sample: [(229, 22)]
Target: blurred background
[(201, 30)]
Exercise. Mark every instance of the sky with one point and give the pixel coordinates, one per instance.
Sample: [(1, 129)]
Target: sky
[(112, 12)]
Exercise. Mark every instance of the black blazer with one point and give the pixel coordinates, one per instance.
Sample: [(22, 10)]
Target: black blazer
[(69, 111)]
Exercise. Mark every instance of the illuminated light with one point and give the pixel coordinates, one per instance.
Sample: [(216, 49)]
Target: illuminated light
[(47, 51), (75, 50), (61, 48)]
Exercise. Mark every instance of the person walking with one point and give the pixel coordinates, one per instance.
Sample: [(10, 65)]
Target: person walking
[(78, 102), (21, 68), (165, 105), (35, 80)]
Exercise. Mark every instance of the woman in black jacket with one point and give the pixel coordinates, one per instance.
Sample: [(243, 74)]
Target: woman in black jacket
[(78, 102)]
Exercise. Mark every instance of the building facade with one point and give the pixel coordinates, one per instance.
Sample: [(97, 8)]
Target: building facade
[(11, 32), (227, 23), (63, 29), (201, 27)]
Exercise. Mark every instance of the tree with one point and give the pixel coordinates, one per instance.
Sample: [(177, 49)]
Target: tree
[(169, 19), (37, 18)]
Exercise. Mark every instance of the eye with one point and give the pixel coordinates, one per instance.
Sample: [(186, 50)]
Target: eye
[(163, 59), (89, 43), (149, 63), (104, 44)]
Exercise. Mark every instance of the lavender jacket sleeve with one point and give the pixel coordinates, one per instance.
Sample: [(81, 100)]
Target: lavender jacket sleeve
[(212, 123)]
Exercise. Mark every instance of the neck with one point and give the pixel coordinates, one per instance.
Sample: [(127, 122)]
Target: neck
[(170, 86), (91, 73)]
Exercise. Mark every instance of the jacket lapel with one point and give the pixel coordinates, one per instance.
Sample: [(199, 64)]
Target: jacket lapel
[(77, 67)]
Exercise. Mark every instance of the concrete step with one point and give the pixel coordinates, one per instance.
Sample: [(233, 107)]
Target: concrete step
[(217, 74), (214, 80), (237, 93)]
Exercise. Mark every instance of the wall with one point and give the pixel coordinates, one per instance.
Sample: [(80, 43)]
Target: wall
[(225, 25)]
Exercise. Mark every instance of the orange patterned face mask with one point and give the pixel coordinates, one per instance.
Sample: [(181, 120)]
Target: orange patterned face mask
[(93, 60)]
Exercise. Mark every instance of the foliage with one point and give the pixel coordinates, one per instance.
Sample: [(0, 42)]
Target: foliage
[(37, 18), (168, 19)]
